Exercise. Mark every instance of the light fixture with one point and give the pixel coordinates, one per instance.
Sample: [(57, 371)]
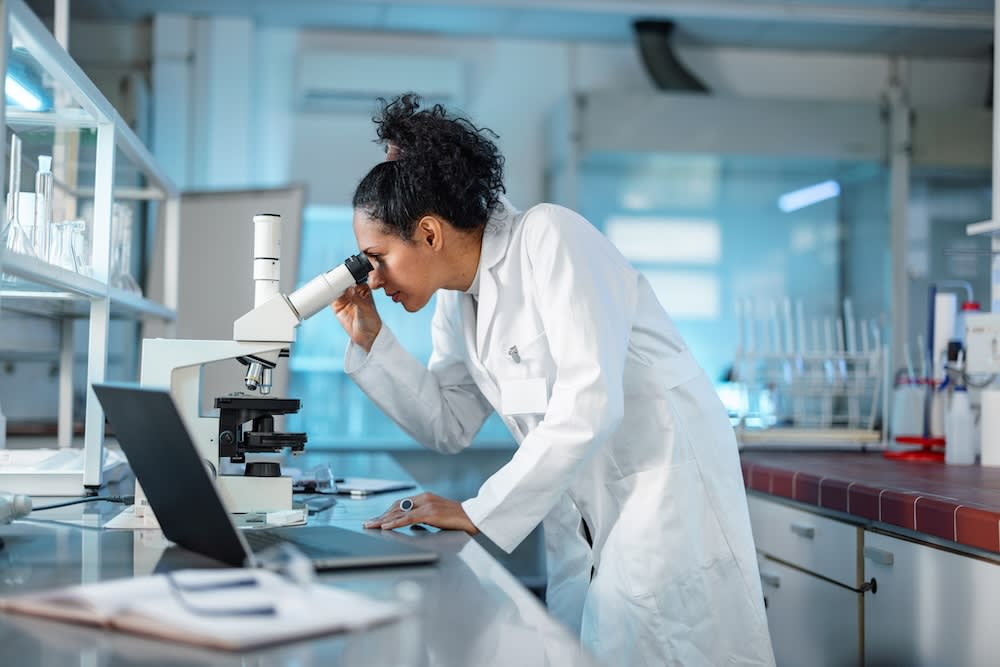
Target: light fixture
[(796, 199), (21, 95)]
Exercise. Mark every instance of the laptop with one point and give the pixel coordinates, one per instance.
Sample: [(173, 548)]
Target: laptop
[(187, 504)]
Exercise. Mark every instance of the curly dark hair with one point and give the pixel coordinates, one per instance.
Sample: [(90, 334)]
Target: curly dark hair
[(446, 166)]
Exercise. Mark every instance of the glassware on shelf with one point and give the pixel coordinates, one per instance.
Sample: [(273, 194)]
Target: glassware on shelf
[(81, 246), (17, 235), (61, 246), (121, 252), (43, 206), (68, 246)]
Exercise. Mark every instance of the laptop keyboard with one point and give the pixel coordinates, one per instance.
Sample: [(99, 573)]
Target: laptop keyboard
[(260, 540)]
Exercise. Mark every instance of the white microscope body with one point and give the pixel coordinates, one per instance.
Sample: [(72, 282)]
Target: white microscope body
[(259, 339)]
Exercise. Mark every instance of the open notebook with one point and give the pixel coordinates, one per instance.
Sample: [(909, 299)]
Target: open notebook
[(228, 609)]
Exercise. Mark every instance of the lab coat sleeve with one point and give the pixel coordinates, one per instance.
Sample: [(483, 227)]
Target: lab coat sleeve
[(439, 406), (586, 295)]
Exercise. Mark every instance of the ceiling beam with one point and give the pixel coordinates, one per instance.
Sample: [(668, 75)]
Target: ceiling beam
[(737, 10)]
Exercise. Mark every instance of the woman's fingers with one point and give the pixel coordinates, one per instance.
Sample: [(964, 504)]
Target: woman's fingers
[(427, 509)]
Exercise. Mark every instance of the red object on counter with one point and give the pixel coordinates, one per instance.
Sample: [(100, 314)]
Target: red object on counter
[(931, 449)]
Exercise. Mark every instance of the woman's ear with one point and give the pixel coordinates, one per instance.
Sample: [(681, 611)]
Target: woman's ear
[(429, 232)]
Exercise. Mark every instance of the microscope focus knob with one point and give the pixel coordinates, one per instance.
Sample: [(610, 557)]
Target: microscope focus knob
[(226, 438), (263, 469)]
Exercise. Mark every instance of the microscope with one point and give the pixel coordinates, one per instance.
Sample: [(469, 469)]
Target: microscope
[(260, 338)]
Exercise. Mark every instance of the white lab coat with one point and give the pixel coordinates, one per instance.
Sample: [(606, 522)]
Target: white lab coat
[(616, 425)]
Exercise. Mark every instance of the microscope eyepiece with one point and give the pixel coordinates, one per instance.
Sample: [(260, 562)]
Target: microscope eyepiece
[(359, 266)]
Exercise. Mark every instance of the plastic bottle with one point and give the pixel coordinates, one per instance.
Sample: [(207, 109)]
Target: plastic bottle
[(960, 448), (968, 308), (13, 506)]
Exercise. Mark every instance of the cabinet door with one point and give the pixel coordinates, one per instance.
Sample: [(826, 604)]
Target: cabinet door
[(812, 621), (931, 607), (815, 543)]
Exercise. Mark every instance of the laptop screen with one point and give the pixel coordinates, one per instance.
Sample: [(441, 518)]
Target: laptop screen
[(176, 481)]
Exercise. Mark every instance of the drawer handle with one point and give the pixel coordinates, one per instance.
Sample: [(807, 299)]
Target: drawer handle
[(879, 556), (772, 580), (807, 532)]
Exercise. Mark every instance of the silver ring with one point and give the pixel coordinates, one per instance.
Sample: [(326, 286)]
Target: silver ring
[(406, 504)]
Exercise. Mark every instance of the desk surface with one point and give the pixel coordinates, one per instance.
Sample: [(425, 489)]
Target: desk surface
[(471, 611)]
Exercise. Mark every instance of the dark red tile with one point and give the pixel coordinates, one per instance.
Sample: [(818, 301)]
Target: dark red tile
[(760, 479), (897, 508), (863, 501), (978, 528), (806, 488), (782, 483), (936, 516), (833, 494)]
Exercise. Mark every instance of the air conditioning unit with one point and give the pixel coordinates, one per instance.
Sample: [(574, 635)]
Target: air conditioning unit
[(342, 81)]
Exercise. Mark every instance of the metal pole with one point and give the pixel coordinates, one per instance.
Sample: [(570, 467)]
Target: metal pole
[(899, 199)]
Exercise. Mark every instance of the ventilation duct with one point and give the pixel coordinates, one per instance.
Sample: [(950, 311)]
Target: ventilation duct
[(656, 49)]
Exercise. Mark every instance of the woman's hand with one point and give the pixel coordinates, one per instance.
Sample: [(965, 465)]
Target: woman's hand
[(357, 314), (428, 509)]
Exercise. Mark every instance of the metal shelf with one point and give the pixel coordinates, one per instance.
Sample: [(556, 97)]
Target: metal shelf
[(58, 305), (57, 279), (985, 227), (105, 163), (124, 304)]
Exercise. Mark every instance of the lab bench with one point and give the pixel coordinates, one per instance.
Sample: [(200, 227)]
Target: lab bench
[(469, 609), (864, 560)]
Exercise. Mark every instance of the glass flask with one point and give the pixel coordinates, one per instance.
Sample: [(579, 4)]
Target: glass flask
[(17, 236), (121, 256)]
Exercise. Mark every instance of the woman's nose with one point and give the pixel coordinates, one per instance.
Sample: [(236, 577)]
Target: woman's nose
[(375, 279)]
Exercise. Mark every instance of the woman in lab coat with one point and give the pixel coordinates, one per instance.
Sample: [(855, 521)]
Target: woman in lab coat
[(625, 453)]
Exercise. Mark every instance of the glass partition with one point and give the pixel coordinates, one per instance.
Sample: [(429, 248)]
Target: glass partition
[(745, 251)]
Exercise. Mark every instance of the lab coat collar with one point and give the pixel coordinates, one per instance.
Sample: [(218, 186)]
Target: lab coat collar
[(496, 239)]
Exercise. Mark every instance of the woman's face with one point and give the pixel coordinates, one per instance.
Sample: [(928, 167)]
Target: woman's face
[(403, 270)]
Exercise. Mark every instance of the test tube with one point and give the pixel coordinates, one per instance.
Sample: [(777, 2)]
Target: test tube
[(43, 205)]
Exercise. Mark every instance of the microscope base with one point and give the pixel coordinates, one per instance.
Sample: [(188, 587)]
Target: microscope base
[(242, 494)]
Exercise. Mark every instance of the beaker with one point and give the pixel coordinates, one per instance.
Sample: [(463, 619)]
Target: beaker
[(61, 246)]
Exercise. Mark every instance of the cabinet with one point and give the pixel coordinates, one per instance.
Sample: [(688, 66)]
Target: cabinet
[(809, 574), (930, 606), (102, 173)]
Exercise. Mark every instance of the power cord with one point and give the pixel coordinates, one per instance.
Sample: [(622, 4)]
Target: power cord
[(124, 500)]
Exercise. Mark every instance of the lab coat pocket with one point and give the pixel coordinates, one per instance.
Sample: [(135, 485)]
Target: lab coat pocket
[(522, 376), (523, 397), (525, 357)]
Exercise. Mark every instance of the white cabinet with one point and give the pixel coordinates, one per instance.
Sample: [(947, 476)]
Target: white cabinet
[(812, 621), (930, 606), (102, 172), (809, 574)]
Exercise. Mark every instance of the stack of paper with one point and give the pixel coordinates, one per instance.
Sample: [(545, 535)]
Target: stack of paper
[(230, 609)]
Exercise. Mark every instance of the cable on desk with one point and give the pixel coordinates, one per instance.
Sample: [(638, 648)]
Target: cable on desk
[(124, 500)]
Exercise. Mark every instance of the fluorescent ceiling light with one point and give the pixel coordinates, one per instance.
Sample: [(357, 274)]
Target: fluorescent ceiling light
[(793, 201), (21, 95)]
